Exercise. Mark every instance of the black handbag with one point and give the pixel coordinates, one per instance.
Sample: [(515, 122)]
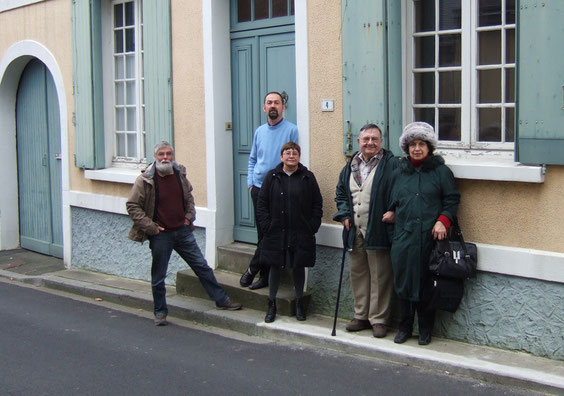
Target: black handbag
[(452, 257), (443, 293)]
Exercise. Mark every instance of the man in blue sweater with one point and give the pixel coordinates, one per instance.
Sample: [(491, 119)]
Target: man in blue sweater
[(265, 155)]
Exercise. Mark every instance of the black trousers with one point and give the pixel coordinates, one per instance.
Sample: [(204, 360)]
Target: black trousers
[(255, 265), (425, 316)]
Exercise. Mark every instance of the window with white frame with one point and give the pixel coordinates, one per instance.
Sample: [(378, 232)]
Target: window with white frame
[(460, 76), (124, 104)]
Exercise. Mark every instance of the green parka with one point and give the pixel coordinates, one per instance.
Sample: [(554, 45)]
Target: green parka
[(419, 196), (378, 234)]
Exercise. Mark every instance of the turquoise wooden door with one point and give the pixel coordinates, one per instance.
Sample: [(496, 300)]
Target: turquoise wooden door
[(39, 165), (261, 63)]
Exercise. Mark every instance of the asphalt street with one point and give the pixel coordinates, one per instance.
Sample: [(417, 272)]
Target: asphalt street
[(57, 345)]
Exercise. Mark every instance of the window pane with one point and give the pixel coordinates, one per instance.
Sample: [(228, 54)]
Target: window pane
[(120, 145), (131, 145), (130, 92), (120, 93), (130, 66), (130, 40), (279, 8), (510, 46), (425, 115), (424, 15), (449, 124), (510, 85), (489, 47), (261, 9), (120, 119), (118, 15), (424, 88), (489, 12), (119, 67), (489, 124), (510, 11), (131, 119), (292, 11), (129, 14), (449, 14), (450, 87), (509, 124), (243, 10), (449, 50), (489, 82), (118, 40), (425, 51)]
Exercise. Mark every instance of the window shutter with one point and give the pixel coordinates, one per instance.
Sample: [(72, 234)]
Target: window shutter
[(395, 123), (87, 80), (540, 80), (371, 28), (157, 73)]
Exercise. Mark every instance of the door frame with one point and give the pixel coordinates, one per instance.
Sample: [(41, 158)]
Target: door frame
[(11, 66), (217, 83)]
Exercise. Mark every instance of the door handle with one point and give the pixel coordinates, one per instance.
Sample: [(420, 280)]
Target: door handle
[(58, 156), (44, 160)]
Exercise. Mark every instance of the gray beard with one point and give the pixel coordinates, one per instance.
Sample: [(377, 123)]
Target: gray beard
[(164, 169)]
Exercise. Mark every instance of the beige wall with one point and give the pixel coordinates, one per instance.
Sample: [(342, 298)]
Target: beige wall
[(525, 215), (325, 82), (188, 92)]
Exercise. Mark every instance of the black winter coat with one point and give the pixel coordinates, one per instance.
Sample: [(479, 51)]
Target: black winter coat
[(289, 210)]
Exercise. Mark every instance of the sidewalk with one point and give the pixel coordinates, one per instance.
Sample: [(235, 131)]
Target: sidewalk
[(484, 363)]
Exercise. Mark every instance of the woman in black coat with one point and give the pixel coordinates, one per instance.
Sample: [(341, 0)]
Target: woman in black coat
[(289, 210)]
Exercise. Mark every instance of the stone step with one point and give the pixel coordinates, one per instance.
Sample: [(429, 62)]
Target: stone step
[(188, 284), (236, 257)]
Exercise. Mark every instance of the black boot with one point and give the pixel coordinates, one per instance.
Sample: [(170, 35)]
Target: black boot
[(300, 310), (261, 282), (271, 312), (247, 278)]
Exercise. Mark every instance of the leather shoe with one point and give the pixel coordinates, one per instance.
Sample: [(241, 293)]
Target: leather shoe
[(424, 338), (246, 279), (230, 305), (259, 284), (379, 330), (401, 337), (358, 325), (160, 320)]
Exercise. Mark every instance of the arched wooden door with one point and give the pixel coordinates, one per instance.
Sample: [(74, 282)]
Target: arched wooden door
[(38, 136)]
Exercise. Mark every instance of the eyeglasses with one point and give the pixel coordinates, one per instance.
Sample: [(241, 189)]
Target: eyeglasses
[(370, 139), (289, 153)]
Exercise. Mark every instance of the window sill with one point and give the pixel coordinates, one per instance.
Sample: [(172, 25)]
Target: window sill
[(116, 175), (487, 167)]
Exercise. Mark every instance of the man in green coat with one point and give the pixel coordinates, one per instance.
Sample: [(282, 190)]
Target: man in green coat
[(362, 196)]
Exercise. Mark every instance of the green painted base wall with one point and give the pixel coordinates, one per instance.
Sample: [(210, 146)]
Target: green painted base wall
[(100, 243), (497, 310)]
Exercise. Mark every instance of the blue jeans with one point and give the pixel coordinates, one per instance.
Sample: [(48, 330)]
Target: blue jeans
[(184, 243)]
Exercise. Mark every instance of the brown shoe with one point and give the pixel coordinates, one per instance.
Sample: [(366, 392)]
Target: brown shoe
[(160, 320), (358, 325), (230, 305), (380, 330)]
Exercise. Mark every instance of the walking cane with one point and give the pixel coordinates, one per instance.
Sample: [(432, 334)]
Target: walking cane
[(345, 238)]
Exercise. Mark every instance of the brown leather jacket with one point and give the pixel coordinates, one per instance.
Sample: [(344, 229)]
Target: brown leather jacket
[(141, 202)]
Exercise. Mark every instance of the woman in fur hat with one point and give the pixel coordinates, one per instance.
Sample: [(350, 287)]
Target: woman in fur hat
[(424, 202)]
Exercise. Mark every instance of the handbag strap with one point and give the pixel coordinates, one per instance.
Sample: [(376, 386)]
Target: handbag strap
[(455, 228)]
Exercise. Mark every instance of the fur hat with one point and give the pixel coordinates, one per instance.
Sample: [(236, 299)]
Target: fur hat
[(418, 130)]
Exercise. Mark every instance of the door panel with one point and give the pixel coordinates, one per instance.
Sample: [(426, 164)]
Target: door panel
[(39, 172), (260, 63)]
